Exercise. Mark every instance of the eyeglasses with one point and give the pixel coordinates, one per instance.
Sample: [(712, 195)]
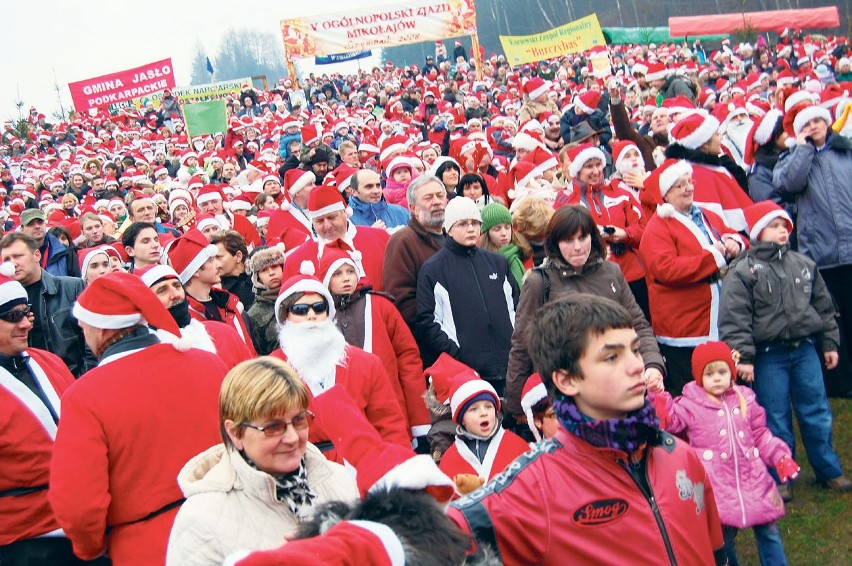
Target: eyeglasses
[(16, 316), (464, 224), (278, 428), (301, 309)]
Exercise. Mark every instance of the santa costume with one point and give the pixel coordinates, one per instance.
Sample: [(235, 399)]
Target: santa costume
[(129, 425)]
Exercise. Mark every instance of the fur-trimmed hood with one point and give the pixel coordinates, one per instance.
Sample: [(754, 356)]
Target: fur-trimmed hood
[(437, 409)]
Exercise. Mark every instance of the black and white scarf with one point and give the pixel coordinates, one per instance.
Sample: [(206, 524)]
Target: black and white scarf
[(292, 488)]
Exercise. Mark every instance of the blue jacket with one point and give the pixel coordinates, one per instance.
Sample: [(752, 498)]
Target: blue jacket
[(61, 261), (284, 144), (466, 300), (364, 214), (819, 182)]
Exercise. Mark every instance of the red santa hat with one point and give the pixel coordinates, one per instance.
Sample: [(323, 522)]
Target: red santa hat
[(391, 145), (153, 274), (797, 97), (379, 465), (709, 352), (189, 252), (761, 133), (533, 392), (669, 172), (297, 179), (619, 151), (305, 282), (694, 130), (12, 293), (333, 258), (588, 101), (535, 87), (202, 221), (310, 134), (759, 215), (186, 155), (802, 114), (581, 154), (440, 376), (323, 200), (209, 193), (656, 71), (121, 300), (86, 255)]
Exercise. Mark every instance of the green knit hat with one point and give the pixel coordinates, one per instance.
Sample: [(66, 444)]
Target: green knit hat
[(493, 214)]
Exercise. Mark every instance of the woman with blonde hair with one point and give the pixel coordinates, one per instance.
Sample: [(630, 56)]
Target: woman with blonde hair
[(251, 491)]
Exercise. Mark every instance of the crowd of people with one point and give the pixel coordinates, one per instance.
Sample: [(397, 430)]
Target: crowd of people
[(375, 295)]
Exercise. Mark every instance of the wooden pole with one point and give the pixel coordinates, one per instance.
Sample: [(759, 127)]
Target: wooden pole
[(477, 55)]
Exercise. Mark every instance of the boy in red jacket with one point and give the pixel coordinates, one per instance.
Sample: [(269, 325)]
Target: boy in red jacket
[(610, 487)]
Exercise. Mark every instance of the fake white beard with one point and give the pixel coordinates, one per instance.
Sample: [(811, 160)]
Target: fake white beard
[(738, 133), (625, 166), (313, 349)]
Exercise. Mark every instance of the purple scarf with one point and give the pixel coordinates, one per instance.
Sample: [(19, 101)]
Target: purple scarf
[(627, 434)]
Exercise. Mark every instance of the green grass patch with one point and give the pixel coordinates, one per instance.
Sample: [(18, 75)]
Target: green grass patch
[(816, 529)]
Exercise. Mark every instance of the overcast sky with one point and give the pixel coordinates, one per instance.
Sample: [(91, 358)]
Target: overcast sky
[(88, 38)]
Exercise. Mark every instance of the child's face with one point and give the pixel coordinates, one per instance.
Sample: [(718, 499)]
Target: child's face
[(480, 418), (547, 424), (716, 378), (612, 383), (775, 232), (402, 174), (466, 232), (501, 234), (344, 281), (270, 276)]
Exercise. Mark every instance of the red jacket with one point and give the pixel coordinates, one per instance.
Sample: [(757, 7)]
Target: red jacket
[(371, 242), (567, 501), (364, 378), (682, 268), (27, 431), (127, 428), (614, 207), (504, 447), (387, 336), (231, 313)]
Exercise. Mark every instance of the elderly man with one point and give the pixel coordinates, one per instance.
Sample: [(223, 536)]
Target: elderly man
[(333, 228), (369, 207), (56, 259), (130, 425), (32, 381), (410, 247), (816, 173), (50, 298), (211, 200), (209, 335)]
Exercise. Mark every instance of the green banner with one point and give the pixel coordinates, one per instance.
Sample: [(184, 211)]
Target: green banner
[(205, 117)]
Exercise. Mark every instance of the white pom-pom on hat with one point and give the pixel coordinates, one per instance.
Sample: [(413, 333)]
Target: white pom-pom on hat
[(307, 268), (7, 268), (349, 212)]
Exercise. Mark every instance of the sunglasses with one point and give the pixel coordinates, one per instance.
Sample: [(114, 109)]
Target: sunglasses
[(16, 316), (301, 309)]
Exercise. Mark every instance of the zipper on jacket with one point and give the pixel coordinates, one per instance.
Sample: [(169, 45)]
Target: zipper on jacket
[(481, 298), (734, 454), (638, 472)]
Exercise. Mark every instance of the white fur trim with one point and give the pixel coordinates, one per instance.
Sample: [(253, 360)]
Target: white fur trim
[(523, 140), (207, 197), (672, 174), (532, 397), (766, 220), (585, 155), (540, 90), (468, 390), (389, 540), (701, 135), (206, 253), (796, 98), (548, 163), (665, 210), (337, 264), (767, 126), (578, 103), (7, 268), (657, 76), (236, 556), (158, 272), (106, 321), (808, 114), (417, 472), (302, 182), (623, 153), (327, 210), (12, 290), (305, 286)]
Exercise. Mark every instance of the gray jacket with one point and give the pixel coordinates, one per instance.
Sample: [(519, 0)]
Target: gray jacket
[(821, 183), (63, 335), (774, 295)]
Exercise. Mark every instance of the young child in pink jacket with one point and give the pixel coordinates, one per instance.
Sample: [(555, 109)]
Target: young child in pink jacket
[(727, 429)]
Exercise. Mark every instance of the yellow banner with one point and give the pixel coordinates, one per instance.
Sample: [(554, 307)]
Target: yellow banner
[(406, 21), (574, 37)]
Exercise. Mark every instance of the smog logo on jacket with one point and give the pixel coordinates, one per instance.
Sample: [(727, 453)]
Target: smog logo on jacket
[(600, 512)]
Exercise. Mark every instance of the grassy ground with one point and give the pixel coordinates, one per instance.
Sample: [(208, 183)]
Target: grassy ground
[(816, 529)]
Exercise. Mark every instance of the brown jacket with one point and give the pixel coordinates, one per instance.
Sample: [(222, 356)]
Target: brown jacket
[(406, 252), (531, 109), (599, 277)]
